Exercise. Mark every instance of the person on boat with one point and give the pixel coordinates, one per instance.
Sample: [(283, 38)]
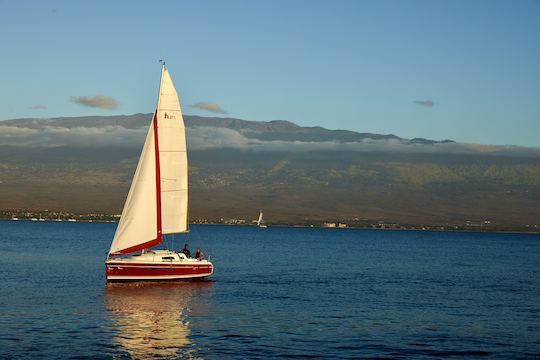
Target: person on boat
[(185, 251), (199, 254)]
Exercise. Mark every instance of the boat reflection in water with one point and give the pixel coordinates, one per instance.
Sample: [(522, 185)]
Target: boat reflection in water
[(151, 319)]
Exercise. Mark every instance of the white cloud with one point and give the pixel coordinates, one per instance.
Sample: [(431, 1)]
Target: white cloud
[(427, 103), (99, 101), (203, 138), (209, 106)]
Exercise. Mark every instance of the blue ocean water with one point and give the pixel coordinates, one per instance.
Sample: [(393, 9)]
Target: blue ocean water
[(276, 293)]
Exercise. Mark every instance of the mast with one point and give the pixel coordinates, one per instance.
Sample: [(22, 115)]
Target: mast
[(159, 235), (159, 225)]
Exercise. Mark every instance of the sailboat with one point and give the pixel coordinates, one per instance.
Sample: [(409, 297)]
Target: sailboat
[(157, 202), (260, 221)]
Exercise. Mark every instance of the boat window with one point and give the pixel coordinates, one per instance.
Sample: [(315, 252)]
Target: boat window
[(167, 258)]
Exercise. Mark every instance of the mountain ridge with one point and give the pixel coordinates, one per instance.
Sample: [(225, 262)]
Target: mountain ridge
[(239, 167)]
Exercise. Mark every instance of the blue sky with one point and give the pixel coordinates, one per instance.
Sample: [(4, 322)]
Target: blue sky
[(463, 70)]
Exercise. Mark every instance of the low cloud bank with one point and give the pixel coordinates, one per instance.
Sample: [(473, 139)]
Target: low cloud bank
[(51, 136), (207, 138)]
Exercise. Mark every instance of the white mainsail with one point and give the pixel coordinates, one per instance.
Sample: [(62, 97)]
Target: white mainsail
[(172, 158), (158, 198), (260, 221)]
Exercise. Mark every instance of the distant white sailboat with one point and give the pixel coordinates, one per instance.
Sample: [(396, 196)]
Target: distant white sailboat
[(260, 221), (157, 202)]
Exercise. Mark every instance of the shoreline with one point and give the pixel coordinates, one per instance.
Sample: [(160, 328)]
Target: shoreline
[(25, 215)]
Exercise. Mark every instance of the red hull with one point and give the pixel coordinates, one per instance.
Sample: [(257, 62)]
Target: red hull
[(118, 271)]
